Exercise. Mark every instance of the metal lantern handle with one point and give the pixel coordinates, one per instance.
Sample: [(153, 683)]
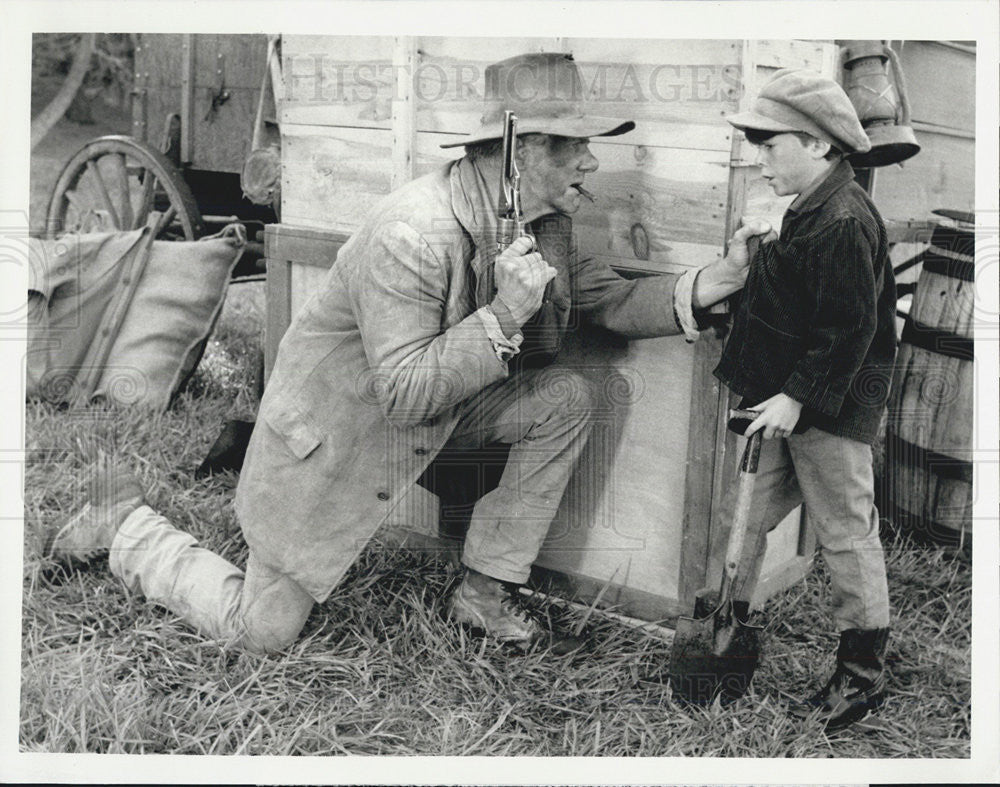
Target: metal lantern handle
[(897, 73)]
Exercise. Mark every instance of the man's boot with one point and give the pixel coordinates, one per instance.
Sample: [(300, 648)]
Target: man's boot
[(114, 494), (857, 686), (496, 609)]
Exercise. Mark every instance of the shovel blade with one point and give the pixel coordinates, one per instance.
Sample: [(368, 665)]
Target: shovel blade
[(713, 656)]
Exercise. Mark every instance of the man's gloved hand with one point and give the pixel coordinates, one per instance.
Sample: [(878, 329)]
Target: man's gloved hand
[(521, 275)]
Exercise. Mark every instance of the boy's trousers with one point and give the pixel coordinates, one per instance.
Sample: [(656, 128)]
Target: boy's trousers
[(833, 476)]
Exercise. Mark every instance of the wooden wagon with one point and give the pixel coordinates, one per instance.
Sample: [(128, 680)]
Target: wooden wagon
[(200, 105)]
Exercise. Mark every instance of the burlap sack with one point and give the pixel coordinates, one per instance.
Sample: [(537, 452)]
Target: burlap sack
[(122, 317)]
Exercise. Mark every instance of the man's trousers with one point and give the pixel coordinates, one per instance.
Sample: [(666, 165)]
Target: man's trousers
[(544, 415)]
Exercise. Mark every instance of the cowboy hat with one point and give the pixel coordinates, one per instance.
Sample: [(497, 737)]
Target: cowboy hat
[(545, 91)]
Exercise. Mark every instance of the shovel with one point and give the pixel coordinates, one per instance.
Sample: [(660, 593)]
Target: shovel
[(714, 652)]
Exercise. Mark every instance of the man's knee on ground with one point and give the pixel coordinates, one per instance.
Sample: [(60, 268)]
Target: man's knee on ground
[(273, 610), (272, 636)]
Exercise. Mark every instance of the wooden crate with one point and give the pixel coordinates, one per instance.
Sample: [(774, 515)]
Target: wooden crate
[(363, 115)]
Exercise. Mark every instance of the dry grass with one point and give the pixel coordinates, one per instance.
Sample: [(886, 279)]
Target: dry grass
[(378, 671)]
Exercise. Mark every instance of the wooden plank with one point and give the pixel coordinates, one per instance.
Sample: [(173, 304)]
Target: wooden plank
[(315, 248), (618, 597), (677, 103), (620, 519), (347, 78), (279, 307), (649, 199), (676, 91), (767, 56), (418, 512), (748, 195), (706, 396), (723, 460), (941, 83), (189, 48), (795, 53), (709, 398), (222, 137), (160, 59), (941, 175), (290, 252), (403, 110), (655, 207), (780, 579), (333, 177), (243, 60)]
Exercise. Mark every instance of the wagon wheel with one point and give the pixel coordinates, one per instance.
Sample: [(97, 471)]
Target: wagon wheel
[(115, 183)]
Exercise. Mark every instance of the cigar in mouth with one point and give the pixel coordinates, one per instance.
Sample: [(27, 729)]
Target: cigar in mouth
[(584, 192)]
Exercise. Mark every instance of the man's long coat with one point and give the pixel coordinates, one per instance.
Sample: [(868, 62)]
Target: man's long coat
[(370, 376)]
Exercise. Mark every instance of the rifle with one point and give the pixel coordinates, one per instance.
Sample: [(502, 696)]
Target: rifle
[(509, 200)]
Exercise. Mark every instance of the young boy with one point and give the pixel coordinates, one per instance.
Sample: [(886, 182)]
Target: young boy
[(811, 349)]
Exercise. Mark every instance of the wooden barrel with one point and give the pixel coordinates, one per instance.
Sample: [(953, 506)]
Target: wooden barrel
[(929, 432)]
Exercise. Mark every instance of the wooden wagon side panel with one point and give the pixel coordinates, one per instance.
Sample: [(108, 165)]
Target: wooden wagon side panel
[(180, 74), (159, 65), (232, 65), (621, 518)]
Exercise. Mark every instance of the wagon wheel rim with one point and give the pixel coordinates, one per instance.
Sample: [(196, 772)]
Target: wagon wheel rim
[(116, 184)]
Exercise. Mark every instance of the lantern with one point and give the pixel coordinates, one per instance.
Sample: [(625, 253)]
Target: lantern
[(881, 105)]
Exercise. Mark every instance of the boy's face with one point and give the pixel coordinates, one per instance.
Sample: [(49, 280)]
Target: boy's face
[(788, 164)]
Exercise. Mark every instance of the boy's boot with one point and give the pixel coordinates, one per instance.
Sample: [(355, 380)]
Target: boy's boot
[(857, 687), (114, 494)]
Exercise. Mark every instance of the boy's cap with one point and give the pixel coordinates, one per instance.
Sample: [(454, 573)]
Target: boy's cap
[(802, 100)]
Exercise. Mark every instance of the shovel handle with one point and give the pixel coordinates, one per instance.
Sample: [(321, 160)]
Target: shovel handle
[(744, 498)]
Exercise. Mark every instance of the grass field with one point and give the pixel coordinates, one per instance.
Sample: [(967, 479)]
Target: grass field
[(377, 671)]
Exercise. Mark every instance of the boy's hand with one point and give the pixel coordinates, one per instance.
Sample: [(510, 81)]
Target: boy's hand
[(738, 258), (778, 416)]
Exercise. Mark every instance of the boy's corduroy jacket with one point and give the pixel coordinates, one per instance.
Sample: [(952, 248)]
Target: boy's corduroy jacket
[(817, 316)]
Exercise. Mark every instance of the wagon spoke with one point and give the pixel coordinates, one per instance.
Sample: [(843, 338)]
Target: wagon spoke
[(121, 171), (146, 200), (165, 221), (102, 190), (86, 219), (76, 201)]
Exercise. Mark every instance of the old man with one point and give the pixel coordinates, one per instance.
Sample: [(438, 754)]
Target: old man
[(421, 338)]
